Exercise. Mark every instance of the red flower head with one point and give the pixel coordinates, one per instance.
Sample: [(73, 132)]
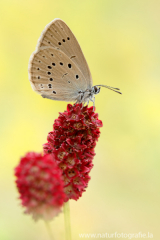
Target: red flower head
[(39, 182), (72, 143)]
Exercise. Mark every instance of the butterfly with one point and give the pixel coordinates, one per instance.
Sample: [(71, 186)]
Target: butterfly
[(58, 69)]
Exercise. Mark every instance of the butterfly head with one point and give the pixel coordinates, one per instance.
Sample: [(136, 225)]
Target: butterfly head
[(95, 89)]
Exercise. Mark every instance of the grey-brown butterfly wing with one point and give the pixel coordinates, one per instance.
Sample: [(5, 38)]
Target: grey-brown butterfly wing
[(54, 75), (57, 34)]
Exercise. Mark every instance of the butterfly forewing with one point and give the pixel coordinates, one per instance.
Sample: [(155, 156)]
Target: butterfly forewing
[(54, 75), (57, 34)]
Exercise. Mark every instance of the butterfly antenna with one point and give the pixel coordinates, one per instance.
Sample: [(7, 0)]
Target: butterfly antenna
[(111, 88)]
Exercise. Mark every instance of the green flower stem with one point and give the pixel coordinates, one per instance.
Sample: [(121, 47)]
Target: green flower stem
[(49, 230), (67, 221)]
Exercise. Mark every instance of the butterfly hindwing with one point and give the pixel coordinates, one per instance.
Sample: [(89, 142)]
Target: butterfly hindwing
[(58, 35), (54, 75)]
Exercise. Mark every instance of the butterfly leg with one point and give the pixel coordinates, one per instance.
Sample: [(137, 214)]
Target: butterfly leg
[(93, 100), (84, 103), (93, 103), (77, 101), (87, 102)]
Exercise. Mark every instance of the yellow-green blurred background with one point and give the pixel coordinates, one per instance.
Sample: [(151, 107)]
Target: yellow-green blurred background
[(121, 42)]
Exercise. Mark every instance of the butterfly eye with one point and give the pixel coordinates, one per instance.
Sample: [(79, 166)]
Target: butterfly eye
[(63, 40), (61, 63), (59, 43), (53, 64), (77, 76), (54, 92), (69, 65), (51, 79), (68, 38), (49, 67), (49, 73)]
